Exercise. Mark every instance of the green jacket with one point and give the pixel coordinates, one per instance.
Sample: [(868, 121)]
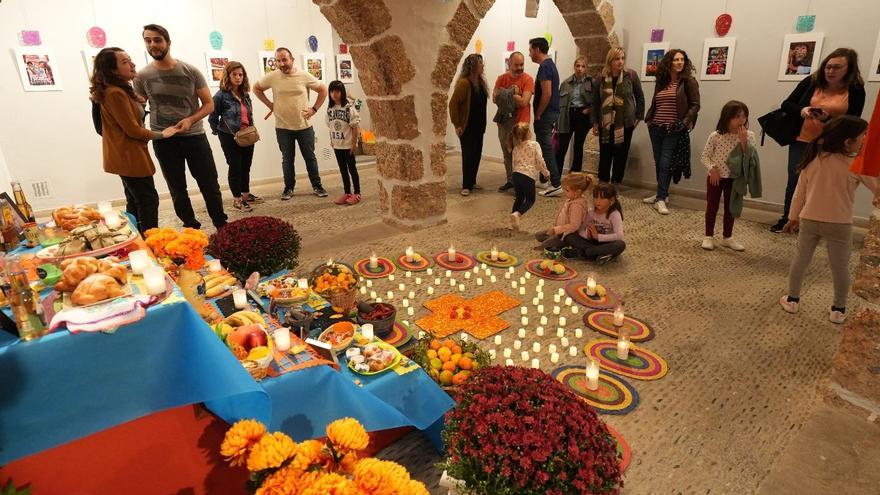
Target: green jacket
[(745, 170)]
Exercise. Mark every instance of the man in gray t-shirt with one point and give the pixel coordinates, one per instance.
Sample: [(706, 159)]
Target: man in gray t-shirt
[(179, 96)]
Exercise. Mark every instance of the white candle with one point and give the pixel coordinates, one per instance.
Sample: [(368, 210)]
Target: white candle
[(575, 310), (430, 271), (557, 299), (521, 333), (369, 282), (509, 362), (401, 287), (528, 275), (493, 279), (507, 352), (514, 285), (374, 261), (467, 275), (554, 358), (464, 337), (492, 353), (430, 291), (476, 269), (562, 321), (104, 207), (618, 316), (378, 299), (507, 275), (522, 280), (572, 351), (524, 355), (524, 310), (282, 339), (213, 265), (493, 255), (522, 291), (363, 290), (408, 274), (436, 281), (411, 295), (239, 297), (409, 254), (479, 282), (536, 347), (536, 363), (452, 282), (563, 341), (112, 220), (418, 281), (560, 332), (448, 273), (578, 332), (535, 301), (488, 271), (405, 302), (592, 375), (461, 287), (391, 278), (497, 340), (510, 270), (556, 310), (568, 301), (561, 292), (540, 294), (541, 308), (524, 320), (154, 278), (591, 286), (551, 348), (304, 283), (421, 334), (367, 331), (540, 281), (451, 254), (622, 349), (373, 294), (140, 261), (539, 331), (517, 344), (390, 295)]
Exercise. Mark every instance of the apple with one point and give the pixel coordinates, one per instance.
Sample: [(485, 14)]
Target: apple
[(248, 336)]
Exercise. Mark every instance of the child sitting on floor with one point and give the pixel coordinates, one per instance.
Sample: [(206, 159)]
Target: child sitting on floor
[(528, 165), (600, 236), (572, 213)]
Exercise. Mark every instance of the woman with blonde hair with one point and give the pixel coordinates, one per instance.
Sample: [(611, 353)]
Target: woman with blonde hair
[(575, 99), (618, 107), (234, 111), (528, 166), (467, 111)]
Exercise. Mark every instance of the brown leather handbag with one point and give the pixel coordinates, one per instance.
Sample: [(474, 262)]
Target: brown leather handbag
[(245, 136)]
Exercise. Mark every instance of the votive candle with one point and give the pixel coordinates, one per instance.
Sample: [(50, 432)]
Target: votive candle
[(622, 348), (524, 310), (409, 254), (497, 340), (554, 358), (592, 375), (524, 355), (539, 331), (560, 332), (154, 278), (572, 351), (507, 352), (389, 295), (521, 333), (524, 320), (140, 261), (451, 255), (493, 279), (391, 278), (213, 265), (536, 363), (578, 332), (430, 291), (282, 339), (374, 261), (536, 347), (367, 331), (563, 341), (517, 344), (562, 321), (239, 297), (509, 362), (551, 348), (479, 282)]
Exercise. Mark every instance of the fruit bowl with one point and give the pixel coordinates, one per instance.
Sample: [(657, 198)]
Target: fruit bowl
[(450, 367), (380, 315)]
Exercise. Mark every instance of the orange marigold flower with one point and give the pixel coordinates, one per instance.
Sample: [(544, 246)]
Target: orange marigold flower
[(416, 488), (348, 434), (381, 477), (309, 454), (347, 463), (270, 451), (330, 484), (239, 439), (287, 481)]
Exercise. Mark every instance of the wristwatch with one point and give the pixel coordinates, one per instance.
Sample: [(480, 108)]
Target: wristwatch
[(314, 109)]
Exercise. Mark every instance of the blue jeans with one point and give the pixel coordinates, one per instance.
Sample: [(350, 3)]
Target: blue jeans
[(544, 137), (795, 152), (306, 140), (663, 144)]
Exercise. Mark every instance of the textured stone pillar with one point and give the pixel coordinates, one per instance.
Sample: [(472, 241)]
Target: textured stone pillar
[(867, 280)]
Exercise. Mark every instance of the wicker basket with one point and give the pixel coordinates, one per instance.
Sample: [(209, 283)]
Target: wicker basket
[(345, 300)]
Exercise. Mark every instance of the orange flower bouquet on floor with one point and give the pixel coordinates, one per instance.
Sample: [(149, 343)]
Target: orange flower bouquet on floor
[(280, 466), (185, 248)]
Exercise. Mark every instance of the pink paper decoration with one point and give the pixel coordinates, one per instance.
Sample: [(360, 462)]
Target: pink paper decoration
[(723, 23), (511, 46), (30, 38), (343, 48), (97, 37), (656, 35)]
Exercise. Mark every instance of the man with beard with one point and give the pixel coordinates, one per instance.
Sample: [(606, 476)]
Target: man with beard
[(520, 87), (292, 113), (179, 97)]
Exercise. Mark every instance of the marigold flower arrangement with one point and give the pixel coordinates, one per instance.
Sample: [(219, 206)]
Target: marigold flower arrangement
[(256, 244), (519, 431), (186, 248), (280, 466)]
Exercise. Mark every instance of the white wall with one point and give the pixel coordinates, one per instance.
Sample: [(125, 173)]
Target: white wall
[(49, 136)]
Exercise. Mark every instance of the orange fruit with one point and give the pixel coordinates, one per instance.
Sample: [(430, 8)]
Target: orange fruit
[(435, 344), (449, 344), (436, 364), (456, 349), (446, 378), (449, 366), (431, 353), (454, 358), (460, 377), (444, 354), (465, 363)]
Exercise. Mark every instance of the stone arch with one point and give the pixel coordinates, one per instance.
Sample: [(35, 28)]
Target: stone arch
[(406, 81)]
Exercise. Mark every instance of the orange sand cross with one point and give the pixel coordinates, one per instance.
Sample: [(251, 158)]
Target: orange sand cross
[(478, 316)]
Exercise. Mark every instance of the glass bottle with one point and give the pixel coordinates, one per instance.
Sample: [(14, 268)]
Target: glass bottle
[(23, 302), (23, 206)]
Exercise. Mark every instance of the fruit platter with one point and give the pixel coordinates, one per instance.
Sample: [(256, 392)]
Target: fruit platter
[(374, 358), (244, 332), (339, 335), (95, 239), (335, 282), (449, 362), (380, 315), (283, 291)]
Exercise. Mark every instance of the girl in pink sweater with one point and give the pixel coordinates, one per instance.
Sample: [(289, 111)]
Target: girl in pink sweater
[(822, 208), (572, 213)]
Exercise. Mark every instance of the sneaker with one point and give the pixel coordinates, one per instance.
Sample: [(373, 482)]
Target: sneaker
[(708, 243), (551, 254), (287, 194), (514, 220), (320, 192), (354, 199), (570, 253), (465, 192), (543, 184), (650, 199), (605, 258), (478, 187), (778, 226), (506, 186), (254, 200), (241, 205), (730, 242), (553, 191), (837, 316), (661, 208), (341, 200), (788, 306)]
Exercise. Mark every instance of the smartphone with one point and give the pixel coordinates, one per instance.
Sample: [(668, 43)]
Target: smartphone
[(816, 112)]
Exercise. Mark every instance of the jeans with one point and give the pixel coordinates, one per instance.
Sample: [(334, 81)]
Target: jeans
[(348, 170), (524, 193), (471, 152), (504, 130), (795, 152), (663, 144), (838, 241), (591, 248), (552, 242), (613, 157), (175, 154), (306, 140), (544, 137), (580, 126), (713, 198), (239, 160), (142, 201)]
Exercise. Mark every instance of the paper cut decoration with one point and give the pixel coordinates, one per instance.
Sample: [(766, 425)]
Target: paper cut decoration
[(657, 35), (344, 68), (30, 38), (268, 44), (652, 54), (343, 49), (549, 38), (97, 37), (216, 40), (267, 62), (717, 63), (806, 23), (313, 43), (723, 23), (478, 46), (800, 56), (313, 63), (511, 46)]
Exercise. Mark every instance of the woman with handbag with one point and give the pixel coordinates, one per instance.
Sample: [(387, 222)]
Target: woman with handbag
[(233, 122), (835, 89), (124, 138)]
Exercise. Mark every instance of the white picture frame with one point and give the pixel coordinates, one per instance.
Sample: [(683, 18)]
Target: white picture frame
[(88, 56), (215, 61), (505, 60), (313, 63), (800, 56), (652, 54), (37, 68), (874, 68), (717, 61), (147, 58), (266, 60), (344, 68)]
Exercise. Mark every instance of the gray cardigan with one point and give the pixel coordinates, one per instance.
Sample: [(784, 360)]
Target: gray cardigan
[(566, 94), (636, 107)]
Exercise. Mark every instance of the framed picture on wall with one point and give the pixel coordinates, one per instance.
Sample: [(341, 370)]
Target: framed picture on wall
[(344, 68), (652, 54), (874, 68), (267, 63), (801, 55), (505, 65), (717, 63), (37, 69), (215, 61), (313, 63), (89, 55)]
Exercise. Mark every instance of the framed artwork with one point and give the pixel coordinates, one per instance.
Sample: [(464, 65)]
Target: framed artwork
[(344, 68), (215, 61), (874, 68), (801, 55), (505, 66), (717, 63), (267, 63), (652, 54), (37, 69), (313, 63), (89, 55), (10, 212)]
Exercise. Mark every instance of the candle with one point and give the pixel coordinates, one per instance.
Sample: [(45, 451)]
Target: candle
[(562, 321), (461, 287), (575, 310), (378, 299), (467, 275), (369, 283), (536, 347), (451, 254), (509, 362), (430, 271), (540, 308), (330, 262), (561, 292), (497, 340), (540, 294), (140, 261), (408, 274), (304, 283), (401, 287), (507, 352), (510, 270), (405, 302), (464, 337), (540, 282), (524, 320), (591, 285), (154, 278), (391, 278), (572, 351), (448, 273), (551, 348), (452, 282), (406, 324), (560, 332), (493, 255), (507, 275), (488, 271), (556, 310), (409, 254), (622, 348), (363, 290), (514, 285), (418, 281), (239, 297), (411, 295), (213, 265), (373, 294), (476, 269), (618, 316), (390, 295), (522, 280), (517, 344), (563, 341), (436, 281), (421, 334), (568, 301), (521, 333), (522, 291), (539, 331), (592, 375), (374, 262), (479, 281), (112, 220), (556, 298), (492, 353), (367, 331), (554, 358), (524, 310), (535, 363), (524, 355), (578, 332), (104, 207), (493, 279), (529, 275), (430, 291), (534, 301), (282, 339)]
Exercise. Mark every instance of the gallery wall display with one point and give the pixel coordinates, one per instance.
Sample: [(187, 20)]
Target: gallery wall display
[(717, 62), (37, 69), (344, 68), (652, 54), (801, 55), (215, 61), (874, 68), (88, 56), (267, 62), (313, 63)]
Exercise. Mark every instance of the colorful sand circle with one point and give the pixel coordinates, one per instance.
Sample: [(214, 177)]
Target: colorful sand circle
[(399, 335), (534, 267), (414, 266), (614, 395), (384, 268), (463, 261), (486, 257), (577, 290), (623, 449), (641, 364), (603, 322)]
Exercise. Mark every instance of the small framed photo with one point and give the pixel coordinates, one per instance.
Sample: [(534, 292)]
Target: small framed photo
[(344, 68), (324, 350), (717, 63), (801, 55), (267, 62), (652, 54), (37, 69), (11, 213), (505, 66), (89, 55), (215, 61), (874, 68), (313, 63)]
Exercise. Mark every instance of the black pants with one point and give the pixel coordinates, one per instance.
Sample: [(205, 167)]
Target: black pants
[(579, 125), (613, 157), (142, 201), (239, 160), (348, 170), (471, 152), (591, 248), (524, 192), (174, 155)]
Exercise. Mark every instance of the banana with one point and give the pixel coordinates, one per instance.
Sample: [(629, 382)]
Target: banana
[(216, 291), (244, 317), (212, 276), (236, 320), (253, 316), (219, 282)]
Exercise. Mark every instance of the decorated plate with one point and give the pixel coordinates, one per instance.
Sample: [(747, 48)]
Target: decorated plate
[(417, 265), (394, 362), (51, 252), (463, 261), (384, 267), (534, 267), (508, 261), (640, 364)]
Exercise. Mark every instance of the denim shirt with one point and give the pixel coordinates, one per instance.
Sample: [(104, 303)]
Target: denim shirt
[(227, 112)]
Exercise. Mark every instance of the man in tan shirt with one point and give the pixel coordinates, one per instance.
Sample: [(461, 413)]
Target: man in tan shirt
[(292, 113)]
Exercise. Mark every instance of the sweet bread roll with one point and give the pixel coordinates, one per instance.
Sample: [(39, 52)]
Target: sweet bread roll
[(75, 271), (96, 287), (69, 217), (118, 272)]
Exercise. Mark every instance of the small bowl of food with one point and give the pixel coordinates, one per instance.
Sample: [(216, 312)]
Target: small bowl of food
[(339, 335), (380, 315)]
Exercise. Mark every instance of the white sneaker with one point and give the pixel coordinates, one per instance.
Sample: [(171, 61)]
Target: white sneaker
[(650, 199), (730, 242), (514, 221), (552, 192), (788, 306), (708, 243), (465, 192), (661, 208), (543, 185), (837, 316)]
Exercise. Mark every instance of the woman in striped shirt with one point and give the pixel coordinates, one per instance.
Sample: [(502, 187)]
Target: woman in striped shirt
[(673, 113)]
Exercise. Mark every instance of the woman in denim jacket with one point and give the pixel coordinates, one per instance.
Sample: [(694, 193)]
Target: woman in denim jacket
[(575, 97), (233, 111)]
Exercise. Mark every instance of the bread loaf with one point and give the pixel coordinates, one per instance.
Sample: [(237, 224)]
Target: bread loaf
[(96, 287)]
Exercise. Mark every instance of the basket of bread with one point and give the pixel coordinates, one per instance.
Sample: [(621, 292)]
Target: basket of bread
[(335, 282), (70, 217), (87, 280)]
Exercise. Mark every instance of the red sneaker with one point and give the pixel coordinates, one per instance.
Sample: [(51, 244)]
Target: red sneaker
[(353, 199), (343, 199)]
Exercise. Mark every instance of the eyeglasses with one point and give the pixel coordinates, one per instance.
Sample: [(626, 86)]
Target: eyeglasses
[(834, 67)]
